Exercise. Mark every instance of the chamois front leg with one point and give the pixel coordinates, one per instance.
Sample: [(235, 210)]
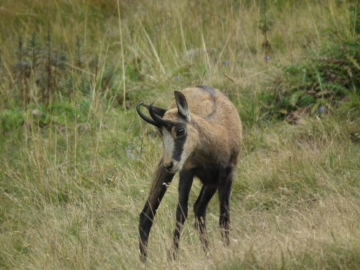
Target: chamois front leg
[(200, 207), (161, 181), (185, 183)]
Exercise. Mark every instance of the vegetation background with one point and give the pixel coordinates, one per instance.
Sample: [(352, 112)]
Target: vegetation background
[(76, 161)]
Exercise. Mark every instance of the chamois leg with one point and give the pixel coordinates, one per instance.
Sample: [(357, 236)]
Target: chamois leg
[(161, 181), (224, 199), (200, 207), (185, 183)]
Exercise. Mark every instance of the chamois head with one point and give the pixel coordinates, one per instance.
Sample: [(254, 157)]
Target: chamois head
[(179, 138)]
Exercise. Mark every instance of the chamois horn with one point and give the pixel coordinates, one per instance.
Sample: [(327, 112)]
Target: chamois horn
[(156, 118), (144, 117)]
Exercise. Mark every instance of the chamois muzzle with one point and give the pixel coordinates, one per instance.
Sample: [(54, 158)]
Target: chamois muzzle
[(171, 166)]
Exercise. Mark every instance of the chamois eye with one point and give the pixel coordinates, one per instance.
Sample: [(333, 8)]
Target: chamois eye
[(180, 132)]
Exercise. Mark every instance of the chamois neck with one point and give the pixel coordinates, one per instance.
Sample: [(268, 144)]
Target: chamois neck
[(211, 136)]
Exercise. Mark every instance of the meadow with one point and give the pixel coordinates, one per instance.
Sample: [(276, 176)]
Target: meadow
[(76, 161)]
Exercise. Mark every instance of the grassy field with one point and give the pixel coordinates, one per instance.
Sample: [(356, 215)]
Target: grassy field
[(76, 161)]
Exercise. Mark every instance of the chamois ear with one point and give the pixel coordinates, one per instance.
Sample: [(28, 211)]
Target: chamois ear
[(182, 105)]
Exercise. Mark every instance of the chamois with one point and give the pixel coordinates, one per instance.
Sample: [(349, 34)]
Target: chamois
[(202, 137)]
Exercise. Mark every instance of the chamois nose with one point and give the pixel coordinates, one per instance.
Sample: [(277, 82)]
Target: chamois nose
[(169, 166)]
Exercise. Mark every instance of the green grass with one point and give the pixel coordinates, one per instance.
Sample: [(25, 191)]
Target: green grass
[(76, 161)]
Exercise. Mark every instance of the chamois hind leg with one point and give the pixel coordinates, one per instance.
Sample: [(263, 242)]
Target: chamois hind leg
[(185, 183), (224, 199), (200, 207)]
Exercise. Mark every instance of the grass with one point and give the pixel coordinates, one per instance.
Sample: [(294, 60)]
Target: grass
[(76, 161)]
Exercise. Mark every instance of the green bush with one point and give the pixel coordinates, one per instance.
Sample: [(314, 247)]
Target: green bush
[(322, 82)]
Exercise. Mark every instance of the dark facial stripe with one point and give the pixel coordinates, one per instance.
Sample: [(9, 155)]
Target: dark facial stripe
[(179, 148)]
